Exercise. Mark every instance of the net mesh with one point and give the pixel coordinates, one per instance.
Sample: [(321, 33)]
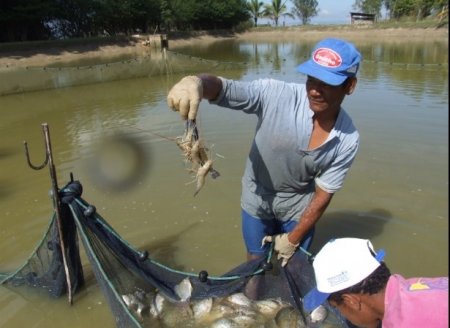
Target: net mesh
[(142, 292), (24, 79), (44, 268)]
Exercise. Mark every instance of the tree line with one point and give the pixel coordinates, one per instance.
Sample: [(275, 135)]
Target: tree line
[(26, 20), (396, 9), (306, 9)]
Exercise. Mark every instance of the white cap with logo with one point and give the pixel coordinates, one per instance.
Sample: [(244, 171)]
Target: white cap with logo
[(340, 264)]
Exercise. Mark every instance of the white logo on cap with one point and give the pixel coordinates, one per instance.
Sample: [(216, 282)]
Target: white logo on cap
[(327, 57), (338, 279)]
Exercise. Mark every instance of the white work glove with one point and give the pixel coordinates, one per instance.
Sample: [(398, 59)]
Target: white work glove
[(282, 246), (185, 96)]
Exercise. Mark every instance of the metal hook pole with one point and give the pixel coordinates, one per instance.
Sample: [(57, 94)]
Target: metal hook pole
[(56, 200), (34, 167)]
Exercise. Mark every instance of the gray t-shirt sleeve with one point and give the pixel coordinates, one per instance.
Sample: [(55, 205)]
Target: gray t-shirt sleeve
[(250, 97), (332, 179)]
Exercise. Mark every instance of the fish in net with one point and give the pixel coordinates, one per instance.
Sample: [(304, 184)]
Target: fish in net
[(142, 292)]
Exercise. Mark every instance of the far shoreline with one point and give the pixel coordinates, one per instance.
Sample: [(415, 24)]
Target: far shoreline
[(44, 55), (351, 33)]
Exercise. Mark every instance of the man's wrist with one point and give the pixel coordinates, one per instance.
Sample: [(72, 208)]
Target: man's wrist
[(212, 85), (293, 243)]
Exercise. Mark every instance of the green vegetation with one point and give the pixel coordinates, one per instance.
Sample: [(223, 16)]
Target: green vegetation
[(305, 9), (95, 41), (28, 20), (256, 9), (402, 8), (275, 10), (31, 20), (405, 22), (411, 22)]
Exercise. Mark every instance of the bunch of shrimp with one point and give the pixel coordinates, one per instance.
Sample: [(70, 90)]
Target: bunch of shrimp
[(195, 152)]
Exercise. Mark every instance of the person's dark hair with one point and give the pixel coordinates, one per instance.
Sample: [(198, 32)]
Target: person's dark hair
[(374, 283), (347, 81)]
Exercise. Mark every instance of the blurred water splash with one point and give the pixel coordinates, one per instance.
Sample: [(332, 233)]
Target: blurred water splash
[(118, 162)]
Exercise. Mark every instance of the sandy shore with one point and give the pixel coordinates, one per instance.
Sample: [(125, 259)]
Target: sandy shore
[(63, 54)]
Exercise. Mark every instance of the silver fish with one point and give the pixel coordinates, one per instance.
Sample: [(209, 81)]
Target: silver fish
[(184, 290), (269, 307), (177, 315), (224, 323), (140, 294), (157, 305), (219, 311), (202, 308), (270, 323), (246, 311), (128, 300), (318, 315), (239, 299), (233, 311), (135, 304), (244, 320), (141, 309), (289, 317)]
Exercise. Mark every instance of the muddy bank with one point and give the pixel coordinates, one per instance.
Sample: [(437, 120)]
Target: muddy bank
[(54, 54)]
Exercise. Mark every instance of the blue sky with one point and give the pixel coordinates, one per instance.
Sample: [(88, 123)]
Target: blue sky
[(333, 12), (330, 12)]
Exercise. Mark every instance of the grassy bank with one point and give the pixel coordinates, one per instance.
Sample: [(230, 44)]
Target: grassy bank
[(428, 30)]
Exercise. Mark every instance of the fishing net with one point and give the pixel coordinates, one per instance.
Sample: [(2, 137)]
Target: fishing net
[(142, 292), (44, 268), (155, 63)]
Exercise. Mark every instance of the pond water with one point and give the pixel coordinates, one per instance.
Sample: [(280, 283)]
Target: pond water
[(396, 193)]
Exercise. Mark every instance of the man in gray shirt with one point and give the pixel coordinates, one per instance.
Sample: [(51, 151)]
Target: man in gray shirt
[(303, 147)]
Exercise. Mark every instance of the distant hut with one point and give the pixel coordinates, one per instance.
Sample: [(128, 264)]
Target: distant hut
[(362, 18)]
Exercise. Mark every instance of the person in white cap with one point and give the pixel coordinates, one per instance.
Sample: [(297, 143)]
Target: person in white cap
[(352, 277), (303, 147)]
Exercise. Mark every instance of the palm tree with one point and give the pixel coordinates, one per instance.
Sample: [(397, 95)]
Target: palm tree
[(256, 9), (305, 9), (276, 9)]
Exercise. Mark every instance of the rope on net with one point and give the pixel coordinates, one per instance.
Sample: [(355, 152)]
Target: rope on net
[(90, 210)]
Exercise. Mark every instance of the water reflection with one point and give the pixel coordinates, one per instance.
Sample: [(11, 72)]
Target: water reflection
[(369, 224), (96, 60), (406, 52), (424, 66), (224, 51), (435, 53)]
